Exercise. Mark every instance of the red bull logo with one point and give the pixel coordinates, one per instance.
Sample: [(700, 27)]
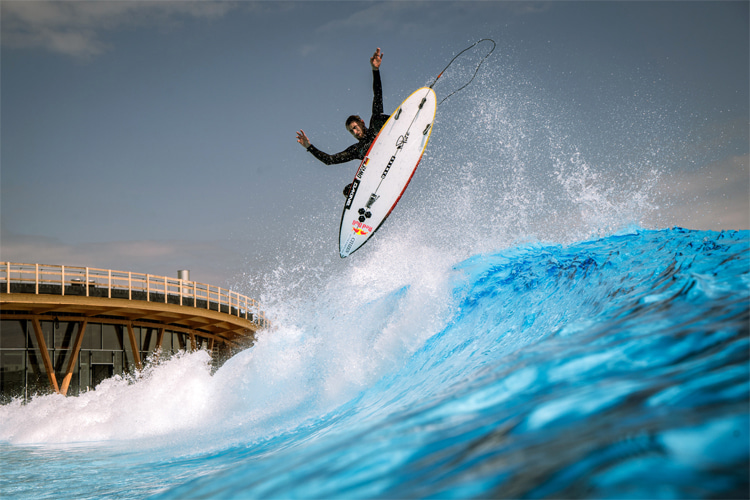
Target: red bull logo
[(361, 228)]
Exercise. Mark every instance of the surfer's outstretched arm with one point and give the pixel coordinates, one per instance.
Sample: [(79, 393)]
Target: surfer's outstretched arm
[(348, 154), (377, 94), (377, 86)]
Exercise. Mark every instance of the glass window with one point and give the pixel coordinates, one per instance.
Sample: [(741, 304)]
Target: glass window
[(101, 358), (12, 374), (74, 389), (34, 361), (100, 373), (60, 362), (118, 360), (93, 337), (111, 338), (65, 334), (13, 334), (48, 331), (36, 376), (31, 339), (83, 374), (166, 342), (149, 339), (178, 340)]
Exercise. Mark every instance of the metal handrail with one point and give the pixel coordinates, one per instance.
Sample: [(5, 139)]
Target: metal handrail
[(87, 277)]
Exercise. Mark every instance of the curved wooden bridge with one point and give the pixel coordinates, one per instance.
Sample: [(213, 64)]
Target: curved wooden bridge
[(137, 310)]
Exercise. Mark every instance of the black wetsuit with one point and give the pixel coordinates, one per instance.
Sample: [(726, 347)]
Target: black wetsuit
[(359, 150)]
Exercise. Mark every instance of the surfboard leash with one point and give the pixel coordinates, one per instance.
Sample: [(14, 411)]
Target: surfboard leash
[(475, 72)]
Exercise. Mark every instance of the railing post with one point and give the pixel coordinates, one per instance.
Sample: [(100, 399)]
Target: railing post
[(36, 278), (87, 282), (62, 278), (130, 285), (109, 283)]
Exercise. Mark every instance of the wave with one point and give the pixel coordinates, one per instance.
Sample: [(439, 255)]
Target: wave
[(512, 331), (609, 367)]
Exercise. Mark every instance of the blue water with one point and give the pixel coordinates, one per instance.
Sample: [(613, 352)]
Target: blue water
[(614, 367)]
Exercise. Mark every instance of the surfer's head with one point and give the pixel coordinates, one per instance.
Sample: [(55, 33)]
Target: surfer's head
[(356, 126)]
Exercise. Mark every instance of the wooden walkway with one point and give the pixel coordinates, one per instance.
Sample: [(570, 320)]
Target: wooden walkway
[(38, 292)]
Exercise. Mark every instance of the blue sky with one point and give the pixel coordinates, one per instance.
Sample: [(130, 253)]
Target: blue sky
[(157, 136)]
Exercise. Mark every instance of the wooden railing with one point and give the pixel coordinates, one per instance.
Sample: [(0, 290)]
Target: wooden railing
[(91, 282)]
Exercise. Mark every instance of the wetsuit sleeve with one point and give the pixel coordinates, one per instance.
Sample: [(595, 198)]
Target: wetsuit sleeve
[(348, 154), (378, 118), (377, 94)]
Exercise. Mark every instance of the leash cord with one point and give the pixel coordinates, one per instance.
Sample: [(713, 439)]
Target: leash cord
[(475, 72)]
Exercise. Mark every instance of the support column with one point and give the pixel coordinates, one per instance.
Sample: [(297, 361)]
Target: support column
[(45, 354), (74, 357), (159, 339), (134, 346)]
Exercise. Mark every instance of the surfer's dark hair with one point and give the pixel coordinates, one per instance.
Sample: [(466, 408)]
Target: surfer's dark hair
[(354, 118)]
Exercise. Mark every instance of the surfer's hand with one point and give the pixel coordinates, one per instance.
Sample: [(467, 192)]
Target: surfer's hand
[(302, 139), (376, 59)]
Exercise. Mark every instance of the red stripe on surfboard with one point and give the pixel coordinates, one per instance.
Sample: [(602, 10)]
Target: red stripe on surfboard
[(403, 190)]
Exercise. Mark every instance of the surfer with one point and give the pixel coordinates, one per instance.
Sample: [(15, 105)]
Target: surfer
[(356, 126)]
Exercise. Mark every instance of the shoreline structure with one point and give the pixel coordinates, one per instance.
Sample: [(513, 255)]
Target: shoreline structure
[(64, 329)]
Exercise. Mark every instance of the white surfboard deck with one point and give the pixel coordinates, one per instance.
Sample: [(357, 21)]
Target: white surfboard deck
[(388, 167)]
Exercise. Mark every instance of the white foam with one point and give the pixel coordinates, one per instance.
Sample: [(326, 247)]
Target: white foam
[(167, 397), (498, 171)]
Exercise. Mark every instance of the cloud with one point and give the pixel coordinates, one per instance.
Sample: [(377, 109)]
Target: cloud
[(386, 16), (422, 17), (74, 28), (308, 48)]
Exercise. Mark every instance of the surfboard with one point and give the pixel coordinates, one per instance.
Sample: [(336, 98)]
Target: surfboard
[(387, 169)]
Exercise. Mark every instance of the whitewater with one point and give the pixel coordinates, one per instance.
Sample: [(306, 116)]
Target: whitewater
[(515, 330)]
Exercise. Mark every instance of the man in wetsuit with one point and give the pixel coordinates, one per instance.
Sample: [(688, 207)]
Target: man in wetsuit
[(356, 126)]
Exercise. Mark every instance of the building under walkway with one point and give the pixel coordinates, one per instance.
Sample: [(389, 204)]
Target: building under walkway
[(65, 329)]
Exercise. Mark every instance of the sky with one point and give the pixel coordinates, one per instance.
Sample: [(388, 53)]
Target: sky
[(160, 135)]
